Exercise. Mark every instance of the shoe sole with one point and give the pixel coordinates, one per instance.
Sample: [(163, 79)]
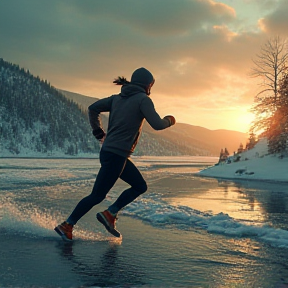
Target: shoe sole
[(103, 221), (64, 237)]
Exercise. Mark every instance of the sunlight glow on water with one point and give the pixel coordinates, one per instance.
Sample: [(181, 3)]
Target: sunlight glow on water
[(229, 201)]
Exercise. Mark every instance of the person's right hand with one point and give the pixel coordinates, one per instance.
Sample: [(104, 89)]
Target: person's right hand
[(171, 119)]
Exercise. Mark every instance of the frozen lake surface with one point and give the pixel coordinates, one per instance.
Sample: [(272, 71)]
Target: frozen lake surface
[(185, 231)]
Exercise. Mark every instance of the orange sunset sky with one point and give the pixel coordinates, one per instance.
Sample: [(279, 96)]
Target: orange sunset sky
[(199, 51)]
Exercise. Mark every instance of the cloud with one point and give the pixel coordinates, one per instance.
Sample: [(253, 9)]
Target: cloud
[(277, 21), (98, 38), (198, 50), (157, 17)]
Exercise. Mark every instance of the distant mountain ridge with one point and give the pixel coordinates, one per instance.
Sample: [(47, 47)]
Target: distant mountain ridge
[(186, 138), (39, 120)]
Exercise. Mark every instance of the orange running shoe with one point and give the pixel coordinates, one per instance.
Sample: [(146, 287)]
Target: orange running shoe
[(65, 231), (108, 220)]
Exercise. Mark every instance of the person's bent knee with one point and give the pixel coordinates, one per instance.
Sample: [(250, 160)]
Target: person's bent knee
[(141, 188)]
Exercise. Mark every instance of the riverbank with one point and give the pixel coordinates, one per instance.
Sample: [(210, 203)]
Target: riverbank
[(254, 164)]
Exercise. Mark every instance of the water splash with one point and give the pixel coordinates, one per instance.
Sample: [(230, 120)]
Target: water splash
[(35, 223)]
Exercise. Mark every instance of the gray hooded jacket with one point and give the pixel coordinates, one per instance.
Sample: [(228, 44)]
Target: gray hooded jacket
[(127, 113)]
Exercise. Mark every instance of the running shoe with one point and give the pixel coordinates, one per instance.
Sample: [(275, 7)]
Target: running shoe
[(108, 220), (65, 231)]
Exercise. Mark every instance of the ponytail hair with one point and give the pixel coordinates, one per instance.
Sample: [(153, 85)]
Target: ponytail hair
[(121, 81)]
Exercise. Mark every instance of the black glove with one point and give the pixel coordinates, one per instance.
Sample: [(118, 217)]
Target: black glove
[(99, 133), (171, 120)]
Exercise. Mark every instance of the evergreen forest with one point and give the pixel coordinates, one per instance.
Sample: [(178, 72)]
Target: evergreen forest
[(35, 116)]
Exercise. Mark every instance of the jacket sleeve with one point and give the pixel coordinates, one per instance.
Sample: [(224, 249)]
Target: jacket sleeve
[(94, 111), (152, 117)]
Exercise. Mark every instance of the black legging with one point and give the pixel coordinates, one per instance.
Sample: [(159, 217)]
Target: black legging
[(113, 167)]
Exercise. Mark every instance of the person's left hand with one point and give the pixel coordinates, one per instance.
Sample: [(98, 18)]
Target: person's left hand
[(99, 134)]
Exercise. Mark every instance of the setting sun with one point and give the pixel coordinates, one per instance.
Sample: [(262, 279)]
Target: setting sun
[(244, 121)]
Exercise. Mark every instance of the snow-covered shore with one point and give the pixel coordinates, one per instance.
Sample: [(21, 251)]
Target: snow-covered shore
[(255, 164)]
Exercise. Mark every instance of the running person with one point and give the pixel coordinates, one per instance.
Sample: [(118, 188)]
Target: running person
[(127, 111)]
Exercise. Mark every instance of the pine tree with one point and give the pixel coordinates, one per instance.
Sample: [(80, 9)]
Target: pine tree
[(240, 149), (251, 141)]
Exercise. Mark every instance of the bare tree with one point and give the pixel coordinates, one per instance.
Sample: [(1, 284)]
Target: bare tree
[(270, 65)]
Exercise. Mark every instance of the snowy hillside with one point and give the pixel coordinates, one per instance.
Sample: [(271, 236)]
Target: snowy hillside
[(254, 164), (37, 120)]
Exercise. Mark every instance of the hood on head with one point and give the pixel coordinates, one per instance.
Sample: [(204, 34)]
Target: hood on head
[(141, 81), (142, 77)]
